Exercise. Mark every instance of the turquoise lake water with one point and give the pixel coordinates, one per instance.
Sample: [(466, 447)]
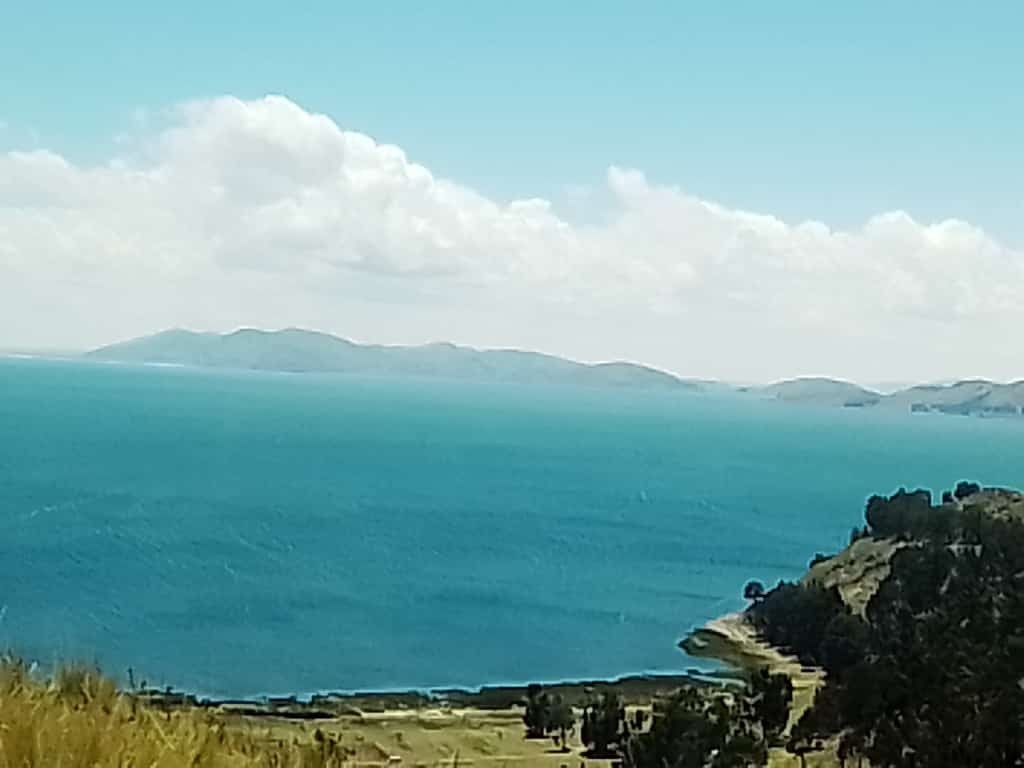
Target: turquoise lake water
[(239, 534)]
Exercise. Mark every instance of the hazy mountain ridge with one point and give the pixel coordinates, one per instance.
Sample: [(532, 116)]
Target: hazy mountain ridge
[(970, 397), (295, 350), (300, 351), (819, 391)]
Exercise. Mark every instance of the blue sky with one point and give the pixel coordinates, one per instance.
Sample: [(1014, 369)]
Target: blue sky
[(745, 190), (832, 111)]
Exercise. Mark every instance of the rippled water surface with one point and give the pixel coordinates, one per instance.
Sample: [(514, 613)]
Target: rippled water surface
[(244, 533)]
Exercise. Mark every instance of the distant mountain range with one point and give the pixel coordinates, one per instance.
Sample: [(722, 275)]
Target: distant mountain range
[(298, 351), (301, 351), (973, 397)]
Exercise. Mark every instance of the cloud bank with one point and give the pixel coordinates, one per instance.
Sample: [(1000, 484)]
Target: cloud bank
[(236, 213)]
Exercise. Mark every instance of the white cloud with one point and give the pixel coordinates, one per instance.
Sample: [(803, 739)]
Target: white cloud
[(261, 213)]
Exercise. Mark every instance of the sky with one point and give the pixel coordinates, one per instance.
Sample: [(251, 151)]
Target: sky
[(741, 190)]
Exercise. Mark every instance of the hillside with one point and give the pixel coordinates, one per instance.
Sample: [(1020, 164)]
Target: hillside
[(856, 572), (302, 351), (819, 391), (908, 642), (975, 397)]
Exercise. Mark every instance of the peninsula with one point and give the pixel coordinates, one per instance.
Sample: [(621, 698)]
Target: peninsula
[(908, 642)]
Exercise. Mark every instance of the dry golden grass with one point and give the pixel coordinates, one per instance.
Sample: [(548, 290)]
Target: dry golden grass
[(80, 719), (443, 738)]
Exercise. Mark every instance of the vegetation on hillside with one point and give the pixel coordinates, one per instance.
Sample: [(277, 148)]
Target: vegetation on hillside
[(933, 673)]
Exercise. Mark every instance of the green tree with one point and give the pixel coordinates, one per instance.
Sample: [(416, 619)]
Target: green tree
[(536, 716), (603, 728), (851, 745), (898, 515), (844, 642), (794, 617), (964, 489), (560, 720), (771, 697), (693, 729), (754, 591)]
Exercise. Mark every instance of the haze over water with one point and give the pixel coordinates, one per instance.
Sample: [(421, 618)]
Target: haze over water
[(237, 534)]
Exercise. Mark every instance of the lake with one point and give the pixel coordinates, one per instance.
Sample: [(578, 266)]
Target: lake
[(240, 534)]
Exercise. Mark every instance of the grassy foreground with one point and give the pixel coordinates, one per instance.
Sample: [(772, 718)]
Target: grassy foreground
[(80, 719)]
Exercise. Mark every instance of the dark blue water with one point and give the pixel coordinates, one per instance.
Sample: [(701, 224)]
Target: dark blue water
[(238, 534)]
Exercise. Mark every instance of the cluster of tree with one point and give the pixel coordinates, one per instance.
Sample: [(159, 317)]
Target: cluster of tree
[(694, 730), (604, 727), (933, 675), (548, 715), (900, 514), (808, 621), (698, 726), (910, 515), (714, 729)]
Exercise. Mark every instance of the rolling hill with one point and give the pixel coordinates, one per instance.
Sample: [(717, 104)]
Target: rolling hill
[(974, 397), (299, 351)]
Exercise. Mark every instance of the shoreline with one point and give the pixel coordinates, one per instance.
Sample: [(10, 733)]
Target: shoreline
[(483, 727), (636, 690), (732, 640)]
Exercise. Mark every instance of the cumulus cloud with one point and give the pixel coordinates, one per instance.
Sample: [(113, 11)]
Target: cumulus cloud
[(236, 212)]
